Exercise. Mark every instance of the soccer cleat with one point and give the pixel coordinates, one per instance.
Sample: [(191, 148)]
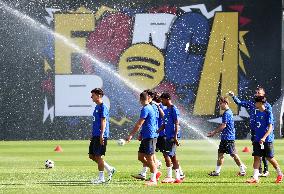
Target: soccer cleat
[(111, 174), (279, 179), (139, 176), (242, 173), (214, 173), (182, 176), (158, 175), (252, 180), (178, 181), (264, 174), (151, 183), (97, 181), (168, 180)]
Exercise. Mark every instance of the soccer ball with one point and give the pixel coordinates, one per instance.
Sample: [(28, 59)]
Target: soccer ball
[(120, 142), (159, 164), (49, 164)]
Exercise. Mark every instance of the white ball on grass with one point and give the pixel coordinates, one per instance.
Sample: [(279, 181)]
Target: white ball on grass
[(121, 142), (49, 164)]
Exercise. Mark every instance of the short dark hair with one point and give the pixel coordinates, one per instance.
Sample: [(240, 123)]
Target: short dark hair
[(260, 99), (150, 93), (143, 96), (157, 97), (166, 95), (224, 100), (98, 91), (260, 88)]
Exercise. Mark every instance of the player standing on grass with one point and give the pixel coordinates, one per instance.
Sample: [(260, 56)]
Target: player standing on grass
[(263, 139), (100, 135), (159, 114), (227, 144), (147, 147), (172, 132), (250, 106)]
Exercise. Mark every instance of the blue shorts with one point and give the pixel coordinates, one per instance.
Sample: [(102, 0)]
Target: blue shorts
[(267, 152), (96, 148), (170, 147), (227, 146), (148, 146), (161, 144)]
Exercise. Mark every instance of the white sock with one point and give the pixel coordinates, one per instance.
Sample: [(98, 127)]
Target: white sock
[(108, 167), (278, 170), (177, 174), (101, 175), (180, 170), (242, 168), (153, 177), (169, 172), (255, 174), (218, 169), (144, 171)]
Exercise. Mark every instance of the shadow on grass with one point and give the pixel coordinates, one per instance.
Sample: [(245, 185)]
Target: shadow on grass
[(10, 184), (79, 183)]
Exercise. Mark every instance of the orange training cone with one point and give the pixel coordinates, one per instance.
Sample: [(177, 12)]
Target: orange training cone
[(246, 149), (58, 149)]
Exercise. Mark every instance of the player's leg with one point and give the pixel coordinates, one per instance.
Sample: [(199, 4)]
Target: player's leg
[(265, 167), (176, 168), (269, 153), (150, 145), (101, 166), (110, 169), (220, 159), (96, 150), (152, 166), (240, 164), (220, 162), (260, 166), (169, 178), (141, 157), (231, 149), (257, 153), (276, 166)]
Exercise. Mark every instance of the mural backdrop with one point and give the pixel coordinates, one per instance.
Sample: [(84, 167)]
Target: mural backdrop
[(53, 54)]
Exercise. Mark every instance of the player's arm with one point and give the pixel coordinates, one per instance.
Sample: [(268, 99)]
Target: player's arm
[(217, 130), (103, 126), (176, 125), (243, 103), (176, 132), (135, 129), (161, 128), (162, 114), (270, 128)]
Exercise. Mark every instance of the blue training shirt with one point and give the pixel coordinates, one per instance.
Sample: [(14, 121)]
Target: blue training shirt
[(170, 118), (250, 107), (228, 133), (157, 113), (101, 111), (149, 127), (161, 121), (262, 120)]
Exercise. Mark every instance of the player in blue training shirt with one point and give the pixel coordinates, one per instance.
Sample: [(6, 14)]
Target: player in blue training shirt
[(263, 139), (100, 135), (172, 132), (150, 95), (227, 144), (147, 123), (250, 107)]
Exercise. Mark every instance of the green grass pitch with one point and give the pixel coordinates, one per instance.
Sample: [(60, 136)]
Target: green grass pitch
[(22, 169)]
